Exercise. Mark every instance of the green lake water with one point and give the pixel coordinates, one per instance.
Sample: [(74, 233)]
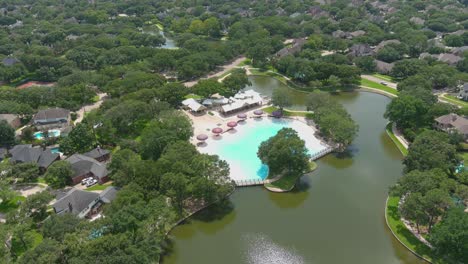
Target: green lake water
[(335, 215)]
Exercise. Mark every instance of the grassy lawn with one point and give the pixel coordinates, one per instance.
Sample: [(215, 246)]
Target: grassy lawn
[(18, 248), (13, 204), (371, 84), (99, 187), (464, 155), (194, 96), (271, 109), (287, 182), (400, 230), (454, 100), (395, 140), (245, 62), (384, 77)]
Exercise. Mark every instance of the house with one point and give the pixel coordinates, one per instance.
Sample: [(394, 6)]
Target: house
[(296, 46), (382, 44), (417, 21), (463, 94), (459, 51), (453, 123), (52, 118), (9, 61), (192, 105), (28, 153), (3, 153), (443, 57), (361, 50), (83, 203), (13, 120), (357, 33), (383, 67), (84, 167), (98, 154)]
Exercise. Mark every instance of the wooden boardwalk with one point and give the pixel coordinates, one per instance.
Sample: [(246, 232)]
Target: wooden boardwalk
[(256, 182)]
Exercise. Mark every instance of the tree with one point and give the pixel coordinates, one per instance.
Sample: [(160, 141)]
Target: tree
[(235, 82), (57, 226), (338, 128), (159, 133), (7, 134), (48, 251), (27, 172), (206, 88), (59, 174), (284, 153), (366, 63), (430, 150), (450, 236), (172, 93), (408, 112), (282, 98), (79, 140)]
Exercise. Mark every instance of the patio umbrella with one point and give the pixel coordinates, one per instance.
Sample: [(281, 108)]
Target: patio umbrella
[(202, 137), (258, 112), (277, 114), (242, 116), (217, 130), (232, 124)]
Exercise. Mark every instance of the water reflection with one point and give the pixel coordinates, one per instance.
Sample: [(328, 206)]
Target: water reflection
[(294, 198), (261, 249), (338, 160)]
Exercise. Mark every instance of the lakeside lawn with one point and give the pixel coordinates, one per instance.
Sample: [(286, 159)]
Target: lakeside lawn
[(287, 182), (271, 109), (404, 235), (383, 77), (11, 205), (378, 86), (454, 100), (395, 140)]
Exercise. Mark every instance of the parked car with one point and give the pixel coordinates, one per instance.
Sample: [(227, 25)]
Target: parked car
[(91, 182), (384, 83), (86, 180)]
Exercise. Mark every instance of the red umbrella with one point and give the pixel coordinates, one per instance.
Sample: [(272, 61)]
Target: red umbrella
[(232, 124), (258, 112), (202, 137), (217, 130), (242, 116)]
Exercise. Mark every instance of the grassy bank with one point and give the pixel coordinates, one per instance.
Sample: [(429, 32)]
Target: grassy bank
[(383, 77), (287, 182), (395, 140), (271, 109), (402, 233), (98, 187), (378, 86), (454, 100)]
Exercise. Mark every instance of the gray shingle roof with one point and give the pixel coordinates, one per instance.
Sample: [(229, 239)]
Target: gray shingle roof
[(96, 153), (108, 195), (9, 61), (8, 117), (27, 153), (52, 114), (75, 201), (82, 164)]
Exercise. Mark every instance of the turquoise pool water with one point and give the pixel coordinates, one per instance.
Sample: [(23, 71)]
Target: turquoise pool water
[(240, 148), (52, 133), (55, 150)]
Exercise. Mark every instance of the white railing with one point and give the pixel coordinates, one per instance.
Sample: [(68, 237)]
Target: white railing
[(321, 153)]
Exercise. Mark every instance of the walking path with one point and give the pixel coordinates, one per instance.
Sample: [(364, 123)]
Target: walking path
[(225, 69), (399, 136), (88, 108)]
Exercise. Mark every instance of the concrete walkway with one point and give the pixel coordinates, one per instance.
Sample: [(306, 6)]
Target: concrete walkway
[(88, 108), (399, 136), (225, 69)]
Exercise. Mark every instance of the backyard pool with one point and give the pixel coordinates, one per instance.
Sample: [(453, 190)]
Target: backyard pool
[(52, 133), (239, 147)]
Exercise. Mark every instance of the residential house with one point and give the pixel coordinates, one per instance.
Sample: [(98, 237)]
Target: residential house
[(193, 105), (417, 21), (453, 123), (361, 50), (459, 51), (296, 46), (463, 94), (13, 120), (383, 67), (84, 167), (28, 153), (357, 33), (98, 154), (382, 44), (10, 61), (83, 204), (52, 118), (443, 57)]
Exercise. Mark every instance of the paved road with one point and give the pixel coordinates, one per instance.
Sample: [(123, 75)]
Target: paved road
[(225, 69), (378, 80)]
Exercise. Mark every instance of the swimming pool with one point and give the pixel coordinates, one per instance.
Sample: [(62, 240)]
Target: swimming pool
[(239, 149), (52, 133)]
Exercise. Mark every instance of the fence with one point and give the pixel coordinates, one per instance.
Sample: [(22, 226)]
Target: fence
[(321, 153), (252, 182)]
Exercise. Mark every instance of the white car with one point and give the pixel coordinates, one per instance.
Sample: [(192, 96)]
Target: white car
[(86, 180), (91, 182), (384, 83)]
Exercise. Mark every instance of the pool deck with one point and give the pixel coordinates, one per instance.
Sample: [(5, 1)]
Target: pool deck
[(204, 123)]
